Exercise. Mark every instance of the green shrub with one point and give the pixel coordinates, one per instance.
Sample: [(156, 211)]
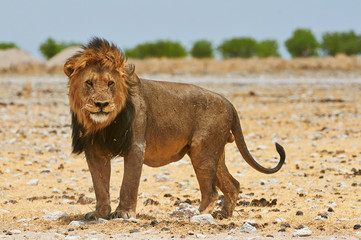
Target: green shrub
[(238, 47), (267, 48), (343, 42), (202, 49), (302, 43), (157, 49), (50, 47), (7, 45)]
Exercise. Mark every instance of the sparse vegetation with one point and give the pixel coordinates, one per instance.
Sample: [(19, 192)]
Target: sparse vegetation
[(202, 49), (302, 43), (7, 45), (267, 48), (157, 49), (50, 47), (238, 47), (334, 43)]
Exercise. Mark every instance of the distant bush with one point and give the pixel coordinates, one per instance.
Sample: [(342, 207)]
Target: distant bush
[(302, 43), (157, 49), (343, 42), (267, 48), (202, 49), (7, 45), (50, 47), (238, 47)]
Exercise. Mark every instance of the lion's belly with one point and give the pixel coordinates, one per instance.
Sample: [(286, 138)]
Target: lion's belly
[(160, 154)]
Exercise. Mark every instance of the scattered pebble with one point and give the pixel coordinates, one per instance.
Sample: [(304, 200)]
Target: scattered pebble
[(76, 223), (33, 182), (203, 219), (304, 232), (184, 210), (246, 227), (299, 213), (52, 216)]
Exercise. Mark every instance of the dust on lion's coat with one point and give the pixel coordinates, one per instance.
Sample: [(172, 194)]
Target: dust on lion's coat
[(168, 120)]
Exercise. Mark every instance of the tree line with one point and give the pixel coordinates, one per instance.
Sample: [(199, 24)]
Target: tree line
[(302, 43)]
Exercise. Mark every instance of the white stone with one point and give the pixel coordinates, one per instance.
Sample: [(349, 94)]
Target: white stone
[(33, 182), (52, 216), (28, 163), (304, 232), (203, 219), (246, 227), (15, 231), (4, 211), (72, 237), (200, 236), (76, 223), (161, 177), (184, 210), (55, 190), (280, 220)]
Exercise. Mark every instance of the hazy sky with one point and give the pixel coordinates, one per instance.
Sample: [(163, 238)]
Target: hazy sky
[(128, 23)]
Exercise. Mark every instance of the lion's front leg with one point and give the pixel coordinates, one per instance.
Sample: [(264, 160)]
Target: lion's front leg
[(133, 163), (99, 167)]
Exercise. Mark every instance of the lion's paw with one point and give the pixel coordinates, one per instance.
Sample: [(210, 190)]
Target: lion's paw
[(93, 216), (120, 214), (220, 215)]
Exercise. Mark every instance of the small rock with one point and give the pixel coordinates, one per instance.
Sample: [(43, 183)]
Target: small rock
[(134, 231), (357, 226), (203, 219), (184, 210), (279, 220), (55, 190), (72, 237), (33, 182), (200, 236), (304, 232), (76, 223), (52, 216), (161, 177), (154, 222), (15, 231), (299, 213), (246, 227)]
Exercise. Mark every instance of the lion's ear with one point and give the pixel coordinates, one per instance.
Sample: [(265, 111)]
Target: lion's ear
[(69, 67), (129, 68)]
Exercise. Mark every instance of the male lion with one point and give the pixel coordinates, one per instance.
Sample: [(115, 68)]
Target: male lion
[(115, 113)]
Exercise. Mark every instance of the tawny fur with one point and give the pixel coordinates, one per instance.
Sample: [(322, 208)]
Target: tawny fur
[(152, 123)]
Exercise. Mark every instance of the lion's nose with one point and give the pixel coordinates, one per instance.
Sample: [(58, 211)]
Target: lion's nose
[(101, 105)]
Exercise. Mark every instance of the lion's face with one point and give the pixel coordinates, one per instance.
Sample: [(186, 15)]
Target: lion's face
[(100, 82), (96, 96)]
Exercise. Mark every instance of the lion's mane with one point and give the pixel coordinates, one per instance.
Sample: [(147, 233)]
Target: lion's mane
[(116, 136)]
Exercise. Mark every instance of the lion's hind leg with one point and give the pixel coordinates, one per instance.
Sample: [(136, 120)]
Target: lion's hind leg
[(230, 188), (205, 166)]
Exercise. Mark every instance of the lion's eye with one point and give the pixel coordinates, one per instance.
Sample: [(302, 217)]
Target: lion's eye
[(89, 83), (110, 83)]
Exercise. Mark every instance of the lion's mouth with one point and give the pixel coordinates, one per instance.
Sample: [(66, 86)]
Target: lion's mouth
[(99, 117)]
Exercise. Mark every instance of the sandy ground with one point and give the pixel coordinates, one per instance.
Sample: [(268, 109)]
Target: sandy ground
[(317, 122)]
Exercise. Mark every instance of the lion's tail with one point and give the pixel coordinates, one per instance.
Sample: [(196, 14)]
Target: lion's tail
[(242, 147)]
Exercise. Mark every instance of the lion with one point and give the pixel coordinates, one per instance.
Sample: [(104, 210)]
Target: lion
[(117, 114)]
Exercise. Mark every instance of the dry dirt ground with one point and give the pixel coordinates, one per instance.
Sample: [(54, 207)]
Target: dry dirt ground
[(318, 123)]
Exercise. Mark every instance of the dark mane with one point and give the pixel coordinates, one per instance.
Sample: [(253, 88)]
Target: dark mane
[(115, 138)]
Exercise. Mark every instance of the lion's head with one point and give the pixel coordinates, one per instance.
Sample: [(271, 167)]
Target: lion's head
[(100, 82)]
